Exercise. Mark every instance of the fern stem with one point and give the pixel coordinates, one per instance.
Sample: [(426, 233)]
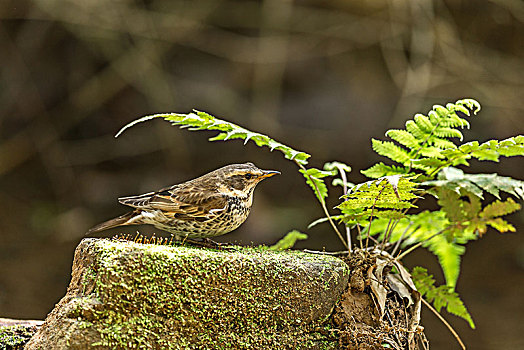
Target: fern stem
[(360, 236), (412, 248), (445, 323), (342, 173), (372, 212), (323, 204), (386, 234), (400, 239)]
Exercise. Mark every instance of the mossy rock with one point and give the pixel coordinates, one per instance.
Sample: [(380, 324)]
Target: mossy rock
[(130, 295), (15, 336)]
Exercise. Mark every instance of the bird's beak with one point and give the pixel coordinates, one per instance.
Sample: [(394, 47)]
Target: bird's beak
[(269, 173)]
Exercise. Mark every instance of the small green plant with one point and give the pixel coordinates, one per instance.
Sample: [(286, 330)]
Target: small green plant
[(424, 156)]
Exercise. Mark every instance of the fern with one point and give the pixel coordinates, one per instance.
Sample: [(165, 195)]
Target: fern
[(288, 241), (456, 180), (381, 169), (426, 143), (314, 178), (392, 193), (429, 229), (228, 131), (441, 296), (489, 150), (392, 151), (467, 215)]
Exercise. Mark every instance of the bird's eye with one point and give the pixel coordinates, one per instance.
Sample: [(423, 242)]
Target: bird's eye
[(248, 176)]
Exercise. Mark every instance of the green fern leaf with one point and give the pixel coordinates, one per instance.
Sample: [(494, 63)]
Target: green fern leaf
[(486, 154), (431, 152), (448, 132), (404, 138), (501, 225), (228, 131), (443, 143), (337, 167), (424, 123), (490, 150), (392, 151), (455, 179), (380, 169), (499, 208), (288, 241), (314, 178), (390, 192), (414, 129), (441, 296), (471, 104)]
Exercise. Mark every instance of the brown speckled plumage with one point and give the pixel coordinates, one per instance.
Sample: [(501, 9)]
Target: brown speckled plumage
[(211, 205)]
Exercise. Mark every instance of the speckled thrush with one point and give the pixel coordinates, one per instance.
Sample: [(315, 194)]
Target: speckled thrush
[(208, 206)]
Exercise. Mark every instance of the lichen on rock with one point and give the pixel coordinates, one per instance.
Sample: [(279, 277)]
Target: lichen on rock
[(130, 295)]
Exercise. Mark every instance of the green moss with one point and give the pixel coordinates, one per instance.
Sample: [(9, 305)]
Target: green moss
[(15, 337), (184, 297)]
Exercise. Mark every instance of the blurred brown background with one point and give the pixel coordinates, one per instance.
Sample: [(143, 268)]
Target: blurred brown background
[(323, 77)]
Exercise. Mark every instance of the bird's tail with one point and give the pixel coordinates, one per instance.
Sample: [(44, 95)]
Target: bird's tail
[(118, 221)]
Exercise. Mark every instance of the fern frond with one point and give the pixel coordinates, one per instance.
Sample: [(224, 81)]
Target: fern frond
[(390, 192), (441, 296), (424, 123), (380, 169), (426, 137), (288, 241), (448, 132), (390, 150), (426, 145), (499, 208), (490, 150), (455, 179), (443, 143), (415, 130), (228, 131), (314, 178), (403, 137), (501, 225)]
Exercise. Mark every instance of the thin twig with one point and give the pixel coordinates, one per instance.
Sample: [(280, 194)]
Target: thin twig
[(372, 212), (342, 173), (385, 238), (359, 236), (400, 239), (445, 323), (398, 258)]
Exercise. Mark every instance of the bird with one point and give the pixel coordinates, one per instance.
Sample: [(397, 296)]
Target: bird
[(211, 205)]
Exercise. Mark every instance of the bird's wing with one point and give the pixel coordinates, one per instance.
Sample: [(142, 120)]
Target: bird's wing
[(179, 202)]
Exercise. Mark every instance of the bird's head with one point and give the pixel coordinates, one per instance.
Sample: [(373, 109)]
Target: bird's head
[(241, 179)]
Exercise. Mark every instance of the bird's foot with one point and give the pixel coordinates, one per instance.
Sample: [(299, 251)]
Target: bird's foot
[(208, 243)]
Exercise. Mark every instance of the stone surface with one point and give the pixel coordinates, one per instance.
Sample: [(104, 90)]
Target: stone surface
[(130, 295)]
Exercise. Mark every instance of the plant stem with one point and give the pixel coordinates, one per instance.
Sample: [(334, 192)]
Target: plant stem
[(398, 258), (342, 173), (445, 323), (372, 212), (400, 239), (359, 236)]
